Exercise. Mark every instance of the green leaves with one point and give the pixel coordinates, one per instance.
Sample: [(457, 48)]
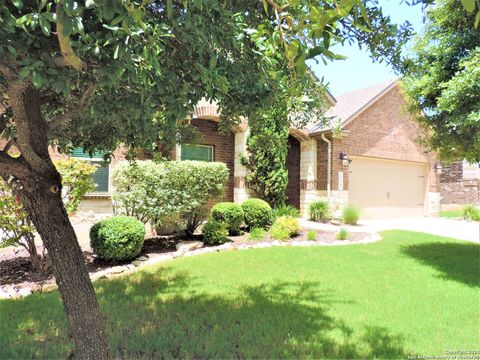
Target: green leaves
[(169, 9), (44, 25), (18, 3), (469, 5), (443, 81)]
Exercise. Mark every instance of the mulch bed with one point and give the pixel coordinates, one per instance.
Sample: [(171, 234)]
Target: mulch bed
[(18, 278), (322, 236)]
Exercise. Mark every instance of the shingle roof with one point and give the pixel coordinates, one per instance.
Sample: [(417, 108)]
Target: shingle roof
[(350, 104)]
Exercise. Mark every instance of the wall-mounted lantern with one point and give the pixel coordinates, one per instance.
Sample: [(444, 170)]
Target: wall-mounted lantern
[(345, 159), (438, 168)]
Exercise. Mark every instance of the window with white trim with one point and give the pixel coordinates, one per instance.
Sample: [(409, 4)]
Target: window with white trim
[(471, 171), (196, 152), (101, 177)]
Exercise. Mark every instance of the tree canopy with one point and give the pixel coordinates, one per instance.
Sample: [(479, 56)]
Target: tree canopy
[(443, 81)]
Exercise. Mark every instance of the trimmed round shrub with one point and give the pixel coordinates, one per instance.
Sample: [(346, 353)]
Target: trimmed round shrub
[(284, 228), (214, 232), (320, 211), (351, 215), (257, 212), (117, 238), (229, 213)]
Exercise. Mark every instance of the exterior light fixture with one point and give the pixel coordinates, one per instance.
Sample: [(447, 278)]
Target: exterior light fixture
[(438, 168), (345, 159)]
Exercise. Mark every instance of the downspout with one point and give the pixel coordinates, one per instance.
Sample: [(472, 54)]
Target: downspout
[(329, 165)]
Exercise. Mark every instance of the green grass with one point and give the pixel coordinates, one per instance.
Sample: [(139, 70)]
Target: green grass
[(451, 214), (408, 294)]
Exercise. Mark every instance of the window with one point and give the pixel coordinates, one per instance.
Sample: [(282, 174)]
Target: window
[(471, 171), (101, 176), (196, 152)]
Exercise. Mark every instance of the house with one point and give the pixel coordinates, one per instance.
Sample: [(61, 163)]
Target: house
[(369, 158)]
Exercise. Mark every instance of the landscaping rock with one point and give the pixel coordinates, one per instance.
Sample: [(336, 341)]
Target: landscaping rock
[(24, 292), (160, 258), (36, 288), (335, 222), (118, 269), (49, 287), (189, 245), (138, 263), (4, 294)]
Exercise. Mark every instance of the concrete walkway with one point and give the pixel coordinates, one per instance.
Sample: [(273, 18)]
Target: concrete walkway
[(457, 229)]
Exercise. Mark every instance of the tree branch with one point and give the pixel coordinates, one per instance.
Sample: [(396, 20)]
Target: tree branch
[(8, 146), (7, 72), (69, 114), (69, 56), (13, 166), (276, 6)]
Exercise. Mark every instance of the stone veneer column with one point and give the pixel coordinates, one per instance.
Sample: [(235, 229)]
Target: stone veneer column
[(308, 175), (240, 190)]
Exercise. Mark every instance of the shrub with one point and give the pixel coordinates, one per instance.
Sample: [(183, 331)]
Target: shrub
[(194, 219), (256, 234), (76, 181), (257, 213), (286, 210), (16, 228), (471, 212), (151, 190), (342, 234), (229, 213), (312, 235), (284, 228), (214, 232), (117, 238), (351, 215), (320, 211)]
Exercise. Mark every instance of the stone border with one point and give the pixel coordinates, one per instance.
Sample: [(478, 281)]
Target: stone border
[(184, 252)]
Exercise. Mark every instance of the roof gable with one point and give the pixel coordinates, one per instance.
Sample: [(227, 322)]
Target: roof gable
[(351, 104)]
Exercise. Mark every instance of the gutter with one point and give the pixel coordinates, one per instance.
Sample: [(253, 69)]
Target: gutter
[(329, 164)]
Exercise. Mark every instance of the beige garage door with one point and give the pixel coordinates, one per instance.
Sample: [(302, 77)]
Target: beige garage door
[(387, 188)]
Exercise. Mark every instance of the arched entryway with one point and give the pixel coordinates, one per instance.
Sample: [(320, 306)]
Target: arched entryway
[(293, 166)]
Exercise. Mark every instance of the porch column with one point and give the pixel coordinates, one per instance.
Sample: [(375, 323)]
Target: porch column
[(240, 190), (308, 175)]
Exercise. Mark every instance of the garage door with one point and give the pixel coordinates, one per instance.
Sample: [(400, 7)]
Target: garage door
[(387, 188)]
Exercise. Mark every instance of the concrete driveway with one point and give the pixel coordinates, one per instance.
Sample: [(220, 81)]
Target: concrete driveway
[(457, 229)]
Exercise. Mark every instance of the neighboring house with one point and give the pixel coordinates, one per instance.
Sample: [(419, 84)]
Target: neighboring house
[(370, 158), (460, 184)]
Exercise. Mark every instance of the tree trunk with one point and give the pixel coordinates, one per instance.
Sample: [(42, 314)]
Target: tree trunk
[(71, 275), (40, 194)]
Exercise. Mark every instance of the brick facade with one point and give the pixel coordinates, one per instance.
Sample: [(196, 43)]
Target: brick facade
[(457, 190), (293, 167), (383, 130), (223, 148)]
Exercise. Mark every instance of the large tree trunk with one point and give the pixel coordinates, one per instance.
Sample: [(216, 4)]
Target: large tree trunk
[(40, 193)]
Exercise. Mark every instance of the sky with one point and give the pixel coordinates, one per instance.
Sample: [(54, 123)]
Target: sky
[(358, 70)]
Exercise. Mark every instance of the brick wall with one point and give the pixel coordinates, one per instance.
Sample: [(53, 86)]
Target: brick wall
[(293, 166), (456, 190), (223, 145), (384, 130)]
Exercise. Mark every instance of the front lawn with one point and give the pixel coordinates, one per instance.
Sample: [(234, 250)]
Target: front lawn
[(408, 294)]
